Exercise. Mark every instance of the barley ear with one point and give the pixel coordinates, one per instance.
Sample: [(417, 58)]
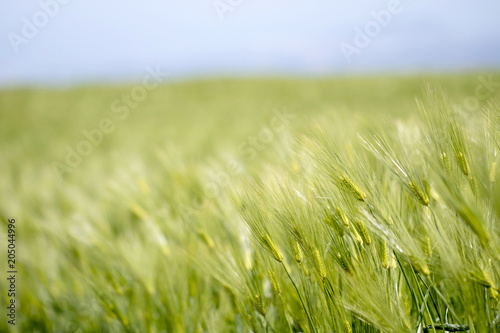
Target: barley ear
[(206, 239), (297, 252), (445, 161), (274, 282), (420, 195), (273, 248), (260, 305), (420, 266), (473, 222), (350, 185), (365, 235), (319, 264), (462, 163), (427, 246), (355, 235), (343, 263), (491, 284), (343, 216)]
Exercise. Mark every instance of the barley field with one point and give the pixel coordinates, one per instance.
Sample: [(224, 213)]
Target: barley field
[(254, 205)]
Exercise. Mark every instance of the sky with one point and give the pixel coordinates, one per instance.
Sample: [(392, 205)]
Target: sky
[(70, 42)]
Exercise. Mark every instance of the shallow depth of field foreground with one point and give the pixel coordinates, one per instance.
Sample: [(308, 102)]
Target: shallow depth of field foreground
[(329, 205)]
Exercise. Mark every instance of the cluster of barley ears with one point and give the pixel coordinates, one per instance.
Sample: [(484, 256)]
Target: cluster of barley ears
[(392, 229)]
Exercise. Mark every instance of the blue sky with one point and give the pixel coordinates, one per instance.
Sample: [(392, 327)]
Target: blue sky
[(112, 41)]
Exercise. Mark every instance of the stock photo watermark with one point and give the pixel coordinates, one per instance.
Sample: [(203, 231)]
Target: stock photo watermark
[(119, 108), (224, 7), (248, 149), (11, 272), (31, 25), (372, 29), (485, 89)]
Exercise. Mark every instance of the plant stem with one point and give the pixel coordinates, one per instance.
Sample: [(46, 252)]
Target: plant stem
[(300, 297)]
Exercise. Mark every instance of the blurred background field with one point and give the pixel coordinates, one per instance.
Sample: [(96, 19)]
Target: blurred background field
[(207, 116)]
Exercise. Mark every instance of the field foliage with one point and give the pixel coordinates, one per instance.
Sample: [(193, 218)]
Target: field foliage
[(326, 205)]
